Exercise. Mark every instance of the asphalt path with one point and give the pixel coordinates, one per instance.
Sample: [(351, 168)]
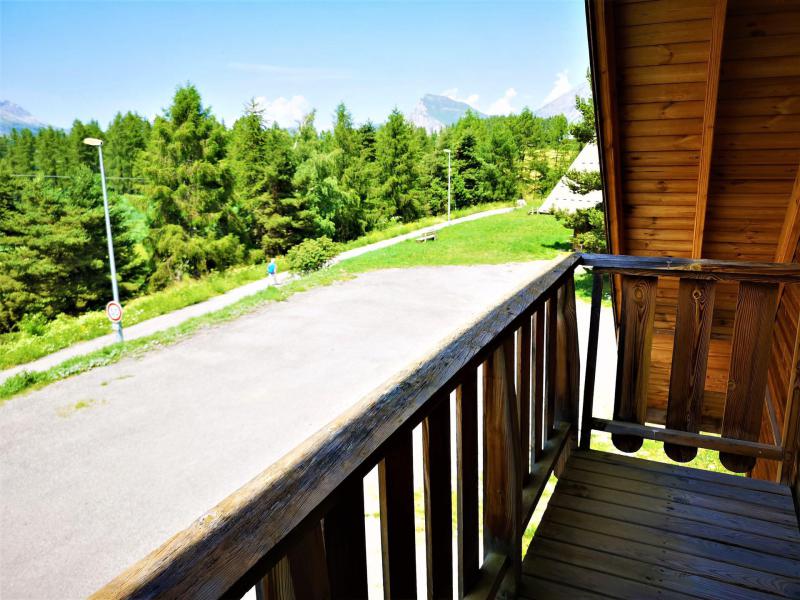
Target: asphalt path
[(98, 469)]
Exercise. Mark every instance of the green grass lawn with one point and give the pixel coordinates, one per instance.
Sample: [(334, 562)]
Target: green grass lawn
[(512, 237)]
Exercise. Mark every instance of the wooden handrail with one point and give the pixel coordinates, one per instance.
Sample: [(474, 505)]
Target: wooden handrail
[(694, 268), (227, 550)]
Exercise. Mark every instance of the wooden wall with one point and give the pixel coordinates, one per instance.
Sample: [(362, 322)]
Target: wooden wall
[(699, 112)]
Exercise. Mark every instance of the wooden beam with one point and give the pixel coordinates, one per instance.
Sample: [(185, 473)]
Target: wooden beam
[(686, 438), (790, 231), (601, 48), (709, 118), (719, 270), (791, 420), (602, 58)]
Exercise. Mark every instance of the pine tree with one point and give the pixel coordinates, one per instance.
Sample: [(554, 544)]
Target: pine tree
[(125, 140), (397, 193), (81, 154), (190, 186), (53, 253)]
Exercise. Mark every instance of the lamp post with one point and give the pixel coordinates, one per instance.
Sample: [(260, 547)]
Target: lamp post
[(114, 290), (448, 183)]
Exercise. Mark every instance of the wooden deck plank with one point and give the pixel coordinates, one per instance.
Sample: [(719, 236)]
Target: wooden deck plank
[(683, 471), (680, 542), (613, 556), (650, 553), (591, 580), (672, 480), (618, 527), (693, 513), (700, 500), (677, 525), (536, 588)]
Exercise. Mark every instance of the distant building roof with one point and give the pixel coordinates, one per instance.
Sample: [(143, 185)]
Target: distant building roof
[(562, 198)]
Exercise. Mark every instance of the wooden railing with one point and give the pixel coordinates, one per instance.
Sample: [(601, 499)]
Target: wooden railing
[(298, 529), (758, 292)]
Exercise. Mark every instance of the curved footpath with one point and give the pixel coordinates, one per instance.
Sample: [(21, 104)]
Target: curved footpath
[(177, 317)]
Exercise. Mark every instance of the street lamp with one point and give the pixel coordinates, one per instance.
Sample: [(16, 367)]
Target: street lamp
[(448, 183), (114, 290)]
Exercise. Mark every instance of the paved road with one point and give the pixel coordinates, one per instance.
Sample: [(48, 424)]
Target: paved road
[(177, 317), (97, 470)]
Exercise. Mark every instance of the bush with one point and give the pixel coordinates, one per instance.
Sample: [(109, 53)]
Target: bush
[(311, 255), (588, 228)]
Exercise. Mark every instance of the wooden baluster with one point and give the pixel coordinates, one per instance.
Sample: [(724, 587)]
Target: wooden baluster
[(552, 364), (302, 574), (538, 387), (396, 483), (467, 481), (345, 536), (438, 501), (502, 486), (689, 360), (591, 360), (747, 379), (277, 584), (633, 356), (524, 394), (569, 360), (308, 566)]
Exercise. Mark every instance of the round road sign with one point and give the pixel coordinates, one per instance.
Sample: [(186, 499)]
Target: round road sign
[(114, 312)]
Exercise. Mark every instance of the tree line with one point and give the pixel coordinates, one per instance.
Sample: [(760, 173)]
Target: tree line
[(189, 195)]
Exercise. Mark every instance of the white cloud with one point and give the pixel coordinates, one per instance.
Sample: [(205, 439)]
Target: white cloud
[(285, 112), (561, 86), (452, 93), (502, 106)]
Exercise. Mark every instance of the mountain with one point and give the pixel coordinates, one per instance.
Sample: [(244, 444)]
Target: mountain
[(434, 112), (565, 104), (13, 116)]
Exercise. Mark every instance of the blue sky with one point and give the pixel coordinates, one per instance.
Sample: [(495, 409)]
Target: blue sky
[(66, 60)]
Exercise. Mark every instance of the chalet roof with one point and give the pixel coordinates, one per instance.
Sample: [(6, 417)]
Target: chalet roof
[(563, 198)]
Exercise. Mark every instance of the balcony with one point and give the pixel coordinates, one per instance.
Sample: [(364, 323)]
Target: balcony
[(616, 526)]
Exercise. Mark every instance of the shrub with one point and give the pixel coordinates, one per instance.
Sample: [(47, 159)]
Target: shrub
[(311, 255), (588, 228)]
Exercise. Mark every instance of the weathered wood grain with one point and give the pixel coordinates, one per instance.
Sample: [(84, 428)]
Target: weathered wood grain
[(523, 386), (689, 361), (695, 268), (551, 370), (747, 380), (538, 387), (467, 481), (396, 487), (591, 361), (438, 503), (633, 362), (502, 485), (346, 544), (569, 360)]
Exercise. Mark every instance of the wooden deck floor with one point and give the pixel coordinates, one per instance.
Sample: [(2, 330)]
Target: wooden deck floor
[(620, 527)]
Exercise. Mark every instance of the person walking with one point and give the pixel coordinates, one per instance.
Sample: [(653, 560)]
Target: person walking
[(272, 271)]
